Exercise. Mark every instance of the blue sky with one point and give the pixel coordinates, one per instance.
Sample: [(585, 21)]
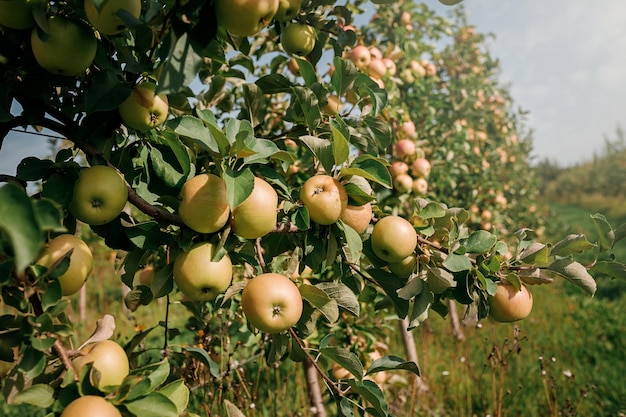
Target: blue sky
[(565, 62)]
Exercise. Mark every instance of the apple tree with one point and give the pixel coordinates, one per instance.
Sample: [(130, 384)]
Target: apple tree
[(238, 155)]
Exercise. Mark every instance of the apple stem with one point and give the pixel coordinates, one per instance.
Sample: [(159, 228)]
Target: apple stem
[(259, 255)]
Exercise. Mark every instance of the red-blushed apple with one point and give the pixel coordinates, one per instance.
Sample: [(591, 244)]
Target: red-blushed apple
[(100, 195), (417, 69), (403, 183), (198, 276), (298, 38), (407, 130), (421, 168), (398, 168), (144, 109), (203, 206), (430, 69), (287, 10), (16, 14), (390, 65), (325, 199), (106, 357), (393, 239), (361, 57), (81, 261), (377, 68), (406, 20), (293, 67), (405, 267), (405, 149), (92, 406), (256, 216), (245, 17), (357, 217), (105, 18), (419, 186), (271, 303), (375, 53), (509, 304), (68, 48)]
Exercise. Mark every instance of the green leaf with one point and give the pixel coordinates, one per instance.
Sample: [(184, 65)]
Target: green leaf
[(178, 393), (390, 283), (39, 395), (154, 404), (19, 223), (344, 75), (370, 168), (255, 103), (49, 215), (480, 241), (194, 128), (344, 358), (321, 149), (570, 245), (239, 185), (343, 295), (182, 65), (218, 136), (429, 209), (341, 147), (612, 269), (106, 92), (356, 195), (392, 363), (536, 254), (372, 393), (321, 301), (457, 263), (202, 356), (575, 273), (307, 71), (606, 235), (421, 306), (33, 169), (33, 363), (274, 83)]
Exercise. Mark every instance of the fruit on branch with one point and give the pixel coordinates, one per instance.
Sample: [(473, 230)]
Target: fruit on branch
[(287, 10), (421, 168), (390, 65), (403, 183), (271, 302), (357, 217), (106, 20), (377, 68), (407, 130), (293, 67), (92, 406), (405, 149), (333, 105), (68, 49), (361, 57), (325, 198), (144, 109), (245, 17), (393, 239), (203, 206), (417, 69), (144, 276), (81, 261), (398, 168), (199, 276), (375, 53), (419, 186), (16, 14), (510, 304), (405, 267), (256, 216), (298, 38), (100, 195), (107, 358), (406, 20)]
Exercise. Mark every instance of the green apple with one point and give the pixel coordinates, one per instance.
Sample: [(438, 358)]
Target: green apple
[(198, 276), (68, 49), (144, 109), (287, 10), (405, 267), (81, 261), (100, 195), (325, 199), (90, 405), (106, 357), (298, 38), (245, 17), (105, 18), (393, 239), (15, 14), (203, 205), (256, 216)]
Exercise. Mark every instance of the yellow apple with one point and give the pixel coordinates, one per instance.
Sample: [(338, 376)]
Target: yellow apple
[(15, 14), (245, 17), (106, 20), (256, 216), (298, 38), (203, 205), (100, 195), (287, 10), (90, 405), (81, 261), (510, 304), (198, 276), (357, 217), (144, 109), (325, 199), (393, 239), (108, 358)]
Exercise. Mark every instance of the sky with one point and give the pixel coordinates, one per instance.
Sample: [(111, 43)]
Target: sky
[(565, 62)]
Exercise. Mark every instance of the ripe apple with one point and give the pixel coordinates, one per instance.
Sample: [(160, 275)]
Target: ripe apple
[(333, 105), (203, 206), (361, 57), (407, 130), (377, 68), (510, 304), (390, 65), (105, 18), (398, 168), (245, 17), (420, 168), (144, 276), (393, 239), (108, 358), (325, 199), (419, 186), (144, 109), (100, 195), (256, 216), (403, 183), (375, 53), (198, 276), (81, 261), (16, 14), (405, 267), (293, 67), (357, 217), (417, 69), (68, 49), (406, 19), (405, 149), (298, 38), (271, 302), (287, 10), (90, 405)]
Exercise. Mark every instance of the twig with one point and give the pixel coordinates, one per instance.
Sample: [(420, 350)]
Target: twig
[(259, 255)]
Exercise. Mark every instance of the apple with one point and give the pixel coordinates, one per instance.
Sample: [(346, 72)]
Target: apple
[(198, 276), (333, 105), (405, 149), (361, 57), (430, 69), (287, 10), (108, 358), (419, 186), (298, 38), (407, 130), (144, 109), (377, 68), (90, 405), (405, 267), (406, 19), (245, 17), (144, 276), (16, 14), (105, 18), (293, 67), (420, 168), (203, 206), (390, 65), (325, 199), (510, 304), (68, 49), (398, 168), (81, 261), (357, 217), (100, 195), (393, 239), (417, 69), (256, 216), (375, 53), (271, 302), (403, 183)]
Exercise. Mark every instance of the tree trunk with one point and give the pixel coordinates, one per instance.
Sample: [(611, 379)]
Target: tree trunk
[(82, 303), (411, 352), (313, 387), (457, 330)]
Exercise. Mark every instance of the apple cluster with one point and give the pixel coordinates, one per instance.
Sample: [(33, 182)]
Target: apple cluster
[(409, 167)]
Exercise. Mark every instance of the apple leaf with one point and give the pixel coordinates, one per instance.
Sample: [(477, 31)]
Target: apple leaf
[(182, 66), (344, 75), (373, 394), (536, 254), (201, 355), (343, 295), (341, 147), (193, 128), (413, 287), (309, 105), (480, 241), (32, 168), (39, 395), (575, 273), (321, 301), (218, 135), (390, 284), (239, 185), (307, 71), (49, 215), (321, 149), (392, 363), (154, 404), (457, 263), (571, 244), (370, 168), (344, 358), (274, 83), (255, 103), (178, 393), (606, 235), (421, 306), (612, 269)]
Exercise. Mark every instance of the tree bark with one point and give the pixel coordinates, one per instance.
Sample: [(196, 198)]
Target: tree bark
[(313, 387), (411, 352), (457, 330)]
